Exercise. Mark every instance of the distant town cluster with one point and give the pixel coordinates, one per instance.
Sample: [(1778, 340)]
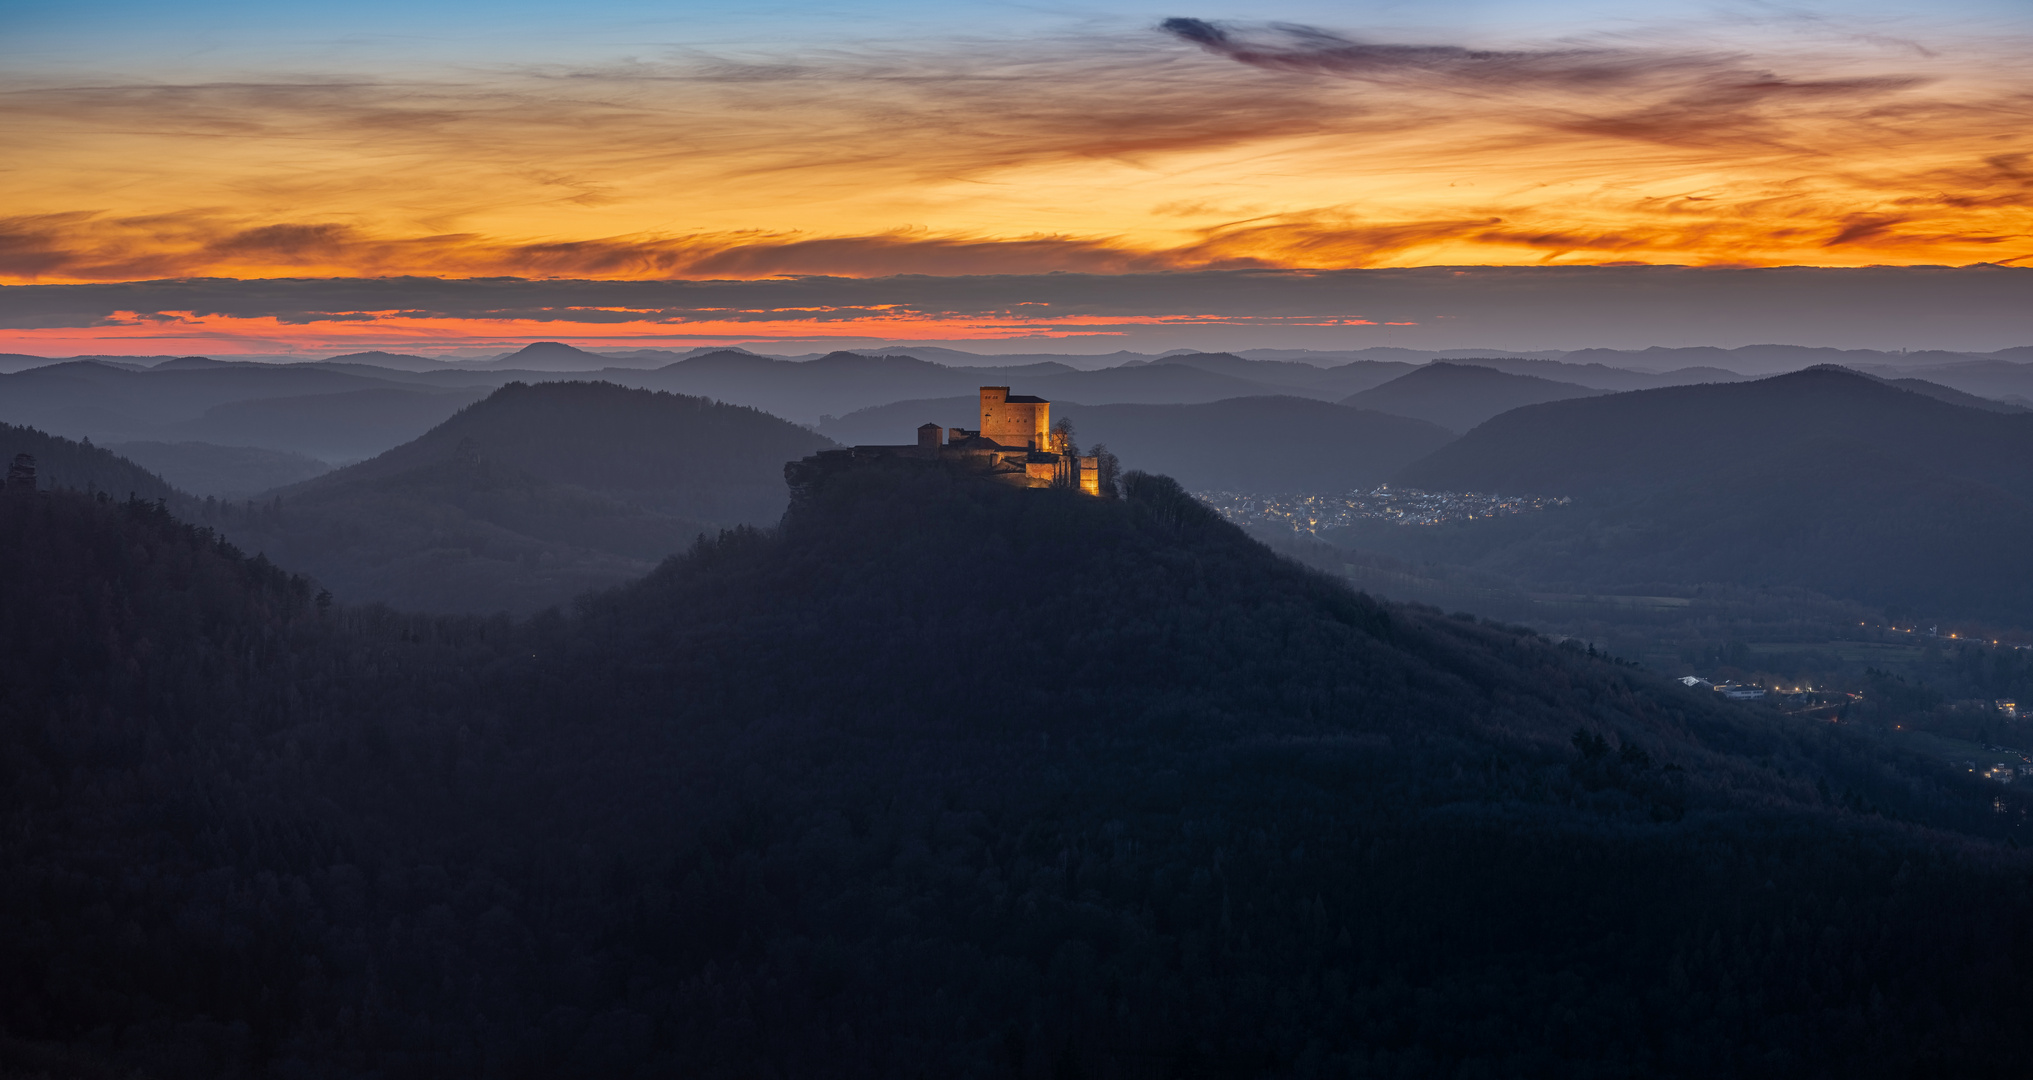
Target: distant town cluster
[(1398, 505)]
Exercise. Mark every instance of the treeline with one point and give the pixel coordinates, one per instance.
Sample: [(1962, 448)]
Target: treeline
[(942, 779)]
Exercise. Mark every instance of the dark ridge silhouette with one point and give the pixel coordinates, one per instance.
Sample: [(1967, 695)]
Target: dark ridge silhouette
[(949, 779), (551, 356), (1460, 396), (1259, 444), (1824, 479), (529, 498), (66, 464)]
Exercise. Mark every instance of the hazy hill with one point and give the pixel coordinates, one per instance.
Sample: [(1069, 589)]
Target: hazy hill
[(1956, 397), (836, 383), (13, 362), (963, 358), (1151, 384), (80, 466), (686, 455), (1823, 479), (1460, 396), (842, 382), (531, 497), (1601, 377), (1328, 383), (1386, 354), (551, 356), (225, 472), (145, 398), (1994, 379), (1751, 359), (302, 408), (944, 779), (1254, 444), (392, 361), (335, 428)]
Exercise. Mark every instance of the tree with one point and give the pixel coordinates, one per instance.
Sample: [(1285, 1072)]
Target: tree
[(1109, 468), (1062, 438)]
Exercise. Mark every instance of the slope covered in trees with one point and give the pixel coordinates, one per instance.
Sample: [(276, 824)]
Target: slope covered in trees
[(64, 463), (1460, 396), (949, 779), (1824, 479), (529, 498)]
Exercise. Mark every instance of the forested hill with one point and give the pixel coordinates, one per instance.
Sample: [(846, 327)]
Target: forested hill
[(1460, 396), (529, 498), (1799, 422), (80, 466), (690, 456), (943, 778), (1823, 479)]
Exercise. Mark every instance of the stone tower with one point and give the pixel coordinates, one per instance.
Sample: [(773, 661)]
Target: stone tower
[(1023, 423)]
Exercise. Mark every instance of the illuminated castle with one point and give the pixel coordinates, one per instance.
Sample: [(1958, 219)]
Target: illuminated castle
[(1015, 444)]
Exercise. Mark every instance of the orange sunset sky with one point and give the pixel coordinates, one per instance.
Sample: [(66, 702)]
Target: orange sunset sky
[(1018, 142)]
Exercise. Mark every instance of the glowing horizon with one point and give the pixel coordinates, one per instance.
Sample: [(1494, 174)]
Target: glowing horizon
[(708, 147)]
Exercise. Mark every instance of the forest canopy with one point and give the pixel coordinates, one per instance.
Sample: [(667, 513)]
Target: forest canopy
[(948, 778)]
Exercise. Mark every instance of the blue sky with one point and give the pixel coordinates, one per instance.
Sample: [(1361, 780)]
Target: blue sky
[(233, 35)]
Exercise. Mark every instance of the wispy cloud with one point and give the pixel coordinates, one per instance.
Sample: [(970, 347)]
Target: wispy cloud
[(1190, 145), (1293, 47)]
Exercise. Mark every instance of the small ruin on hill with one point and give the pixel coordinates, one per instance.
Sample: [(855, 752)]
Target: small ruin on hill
[(1015, 445)]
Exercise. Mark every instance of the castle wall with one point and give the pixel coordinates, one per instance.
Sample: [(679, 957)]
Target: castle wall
[(1021, 422)]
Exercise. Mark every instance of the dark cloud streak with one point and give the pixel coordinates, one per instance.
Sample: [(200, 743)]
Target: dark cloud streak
[(1984, 307), (1290, 47)]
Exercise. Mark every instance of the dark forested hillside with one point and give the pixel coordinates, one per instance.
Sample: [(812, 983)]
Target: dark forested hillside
[(80, 466), (1460, 396), (529, 498), (690, 456), (940, 779), (1823, 479)]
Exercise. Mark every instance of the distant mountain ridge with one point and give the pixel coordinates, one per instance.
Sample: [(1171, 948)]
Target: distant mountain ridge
[(354, 406), (1458, 396), (302, 408), (1251, 444), (1824, 479)]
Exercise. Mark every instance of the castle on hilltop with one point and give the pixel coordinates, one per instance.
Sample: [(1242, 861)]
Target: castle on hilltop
[(1015, 445)]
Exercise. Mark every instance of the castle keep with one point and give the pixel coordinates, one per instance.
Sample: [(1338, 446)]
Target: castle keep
[(1014, 445)]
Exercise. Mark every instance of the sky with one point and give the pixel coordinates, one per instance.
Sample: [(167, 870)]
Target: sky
[(630, 141)]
